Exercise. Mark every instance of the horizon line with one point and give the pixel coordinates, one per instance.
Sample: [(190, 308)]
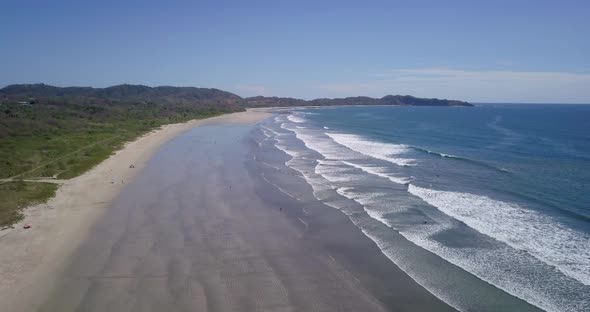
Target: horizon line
[(297, 98)]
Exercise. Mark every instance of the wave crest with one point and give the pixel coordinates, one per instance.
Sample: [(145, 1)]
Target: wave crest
[(540, 235)]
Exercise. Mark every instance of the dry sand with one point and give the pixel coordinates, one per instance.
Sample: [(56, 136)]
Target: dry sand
[(31, 260)]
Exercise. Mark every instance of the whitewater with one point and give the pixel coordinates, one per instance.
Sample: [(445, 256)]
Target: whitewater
[(547, 254)]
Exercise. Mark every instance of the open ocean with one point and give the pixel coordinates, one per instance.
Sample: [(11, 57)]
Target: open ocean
[(500, 194)]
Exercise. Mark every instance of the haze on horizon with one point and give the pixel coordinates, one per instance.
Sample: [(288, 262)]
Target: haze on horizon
[(492, 51)]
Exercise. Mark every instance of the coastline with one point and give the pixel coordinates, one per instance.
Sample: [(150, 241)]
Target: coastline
[(318, 161), (31, 259), (193, 232), (333, 234)]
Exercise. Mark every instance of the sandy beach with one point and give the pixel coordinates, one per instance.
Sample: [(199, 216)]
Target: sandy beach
[(195, 226), (31, 260)]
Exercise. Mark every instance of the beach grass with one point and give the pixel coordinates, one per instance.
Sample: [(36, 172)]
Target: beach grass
[(68, 154), (62, 142), (18, 194)]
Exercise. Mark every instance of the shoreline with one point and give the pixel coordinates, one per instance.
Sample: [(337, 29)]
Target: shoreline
[(332, 234), (194, 233), (32, 259), (305, 145), (108, 234)]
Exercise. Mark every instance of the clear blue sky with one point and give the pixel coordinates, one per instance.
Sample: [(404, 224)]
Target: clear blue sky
[(496, 51)]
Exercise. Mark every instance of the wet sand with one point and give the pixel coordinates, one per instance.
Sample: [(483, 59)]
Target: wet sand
[(190, 234), (197, 229)]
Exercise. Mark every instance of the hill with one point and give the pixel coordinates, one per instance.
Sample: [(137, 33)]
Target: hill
[(404, 100), (122, 94), (196, 97)]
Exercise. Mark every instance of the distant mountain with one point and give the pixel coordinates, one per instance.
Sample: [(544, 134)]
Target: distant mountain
[(260, 101), (129, 94), (273, 101)]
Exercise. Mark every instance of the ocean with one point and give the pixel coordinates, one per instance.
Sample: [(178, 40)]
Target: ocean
[(476, 204)]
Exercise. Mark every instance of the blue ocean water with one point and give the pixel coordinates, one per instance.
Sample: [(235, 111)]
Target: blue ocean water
[(500, 191)]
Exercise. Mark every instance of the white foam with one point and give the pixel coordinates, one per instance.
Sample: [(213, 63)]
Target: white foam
[(323, 145), (367, 201), (346, 146), (385, 151), (298, 162), (545, 238), (334, 172), (379, 171), (296, 119), (441, 154), (267, 133), (517, 273), (288, 151), (405, 265), (400, 258)]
